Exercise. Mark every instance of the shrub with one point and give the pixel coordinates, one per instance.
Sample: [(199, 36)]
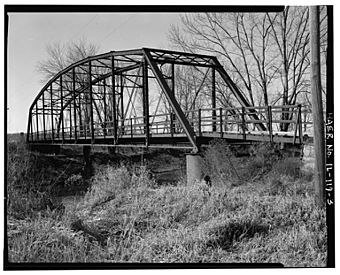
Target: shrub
[(126, 217), (25, 182), (110, 181), (288, 166), (220, 163)]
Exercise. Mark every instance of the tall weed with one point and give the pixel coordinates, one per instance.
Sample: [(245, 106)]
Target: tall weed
[(220, 163), (140, 221)]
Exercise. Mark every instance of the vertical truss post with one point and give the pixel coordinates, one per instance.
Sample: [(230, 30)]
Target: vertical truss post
[(31, 126), (91, 102), (146, 102), (236, 92), (131, 127), (173, 117), (172, 100), (171, 125), (104, 98), (70, 107), (74, 103), (114, 110), (270, 122), (199, 122), (81, 122), (52, 122), (300, 123), (62, 108), (43, 111), (221, 122), (173, 78), (37, 119), (122, 103), (243, 123), (29, 130), (213, 99)]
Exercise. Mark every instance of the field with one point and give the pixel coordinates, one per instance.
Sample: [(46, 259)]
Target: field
[(259, 209)]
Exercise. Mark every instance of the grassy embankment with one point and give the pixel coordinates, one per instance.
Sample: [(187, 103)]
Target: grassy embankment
[(259, 209)]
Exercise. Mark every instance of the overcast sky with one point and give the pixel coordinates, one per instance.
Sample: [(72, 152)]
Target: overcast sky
[(29, 33)]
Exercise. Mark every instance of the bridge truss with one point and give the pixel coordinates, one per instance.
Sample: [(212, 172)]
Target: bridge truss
[(130, 98)]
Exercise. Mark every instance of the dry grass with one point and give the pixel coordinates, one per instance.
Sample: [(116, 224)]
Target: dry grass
[(273, 219)]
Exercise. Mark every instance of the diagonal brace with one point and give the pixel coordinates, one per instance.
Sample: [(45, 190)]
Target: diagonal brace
[(243, 101), (172, 100)]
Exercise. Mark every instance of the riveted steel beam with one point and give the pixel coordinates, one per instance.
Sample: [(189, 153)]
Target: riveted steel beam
[(172, 100), (236, 92)]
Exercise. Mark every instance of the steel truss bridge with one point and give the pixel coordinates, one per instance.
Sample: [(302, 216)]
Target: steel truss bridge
[(136, 98)]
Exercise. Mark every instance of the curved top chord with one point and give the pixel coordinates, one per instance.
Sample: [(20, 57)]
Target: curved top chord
[(135, 98)]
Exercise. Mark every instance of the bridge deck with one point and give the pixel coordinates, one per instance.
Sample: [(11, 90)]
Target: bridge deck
[(179, 140)]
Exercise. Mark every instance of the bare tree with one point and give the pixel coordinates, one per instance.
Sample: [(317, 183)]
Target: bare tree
[(241, 41), (290, 32), (59, 56), (267, 55)]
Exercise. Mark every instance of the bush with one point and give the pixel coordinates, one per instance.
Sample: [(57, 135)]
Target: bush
[(25, 182), (126, 217), (34, 180), (288, 166), (220, 163), (264, 162), (110, 181)]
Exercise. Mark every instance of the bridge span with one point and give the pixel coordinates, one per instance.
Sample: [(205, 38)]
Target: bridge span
[(155, 98)]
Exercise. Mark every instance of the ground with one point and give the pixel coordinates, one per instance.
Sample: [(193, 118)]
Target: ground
[(137, 207)]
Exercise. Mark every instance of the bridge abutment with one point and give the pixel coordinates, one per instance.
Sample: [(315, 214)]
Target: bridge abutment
[(45, 149), (194, 168)]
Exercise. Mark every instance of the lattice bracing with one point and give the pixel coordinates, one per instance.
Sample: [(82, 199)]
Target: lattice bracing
[(151, 97)]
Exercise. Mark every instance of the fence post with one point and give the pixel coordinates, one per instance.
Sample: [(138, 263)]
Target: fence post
[(243, 123)]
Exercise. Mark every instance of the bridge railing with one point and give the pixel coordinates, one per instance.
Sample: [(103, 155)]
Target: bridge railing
[(277, 119), (237, 121)]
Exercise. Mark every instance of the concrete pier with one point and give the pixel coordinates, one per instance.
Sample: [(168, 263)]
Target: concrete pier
[(194, 168)]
